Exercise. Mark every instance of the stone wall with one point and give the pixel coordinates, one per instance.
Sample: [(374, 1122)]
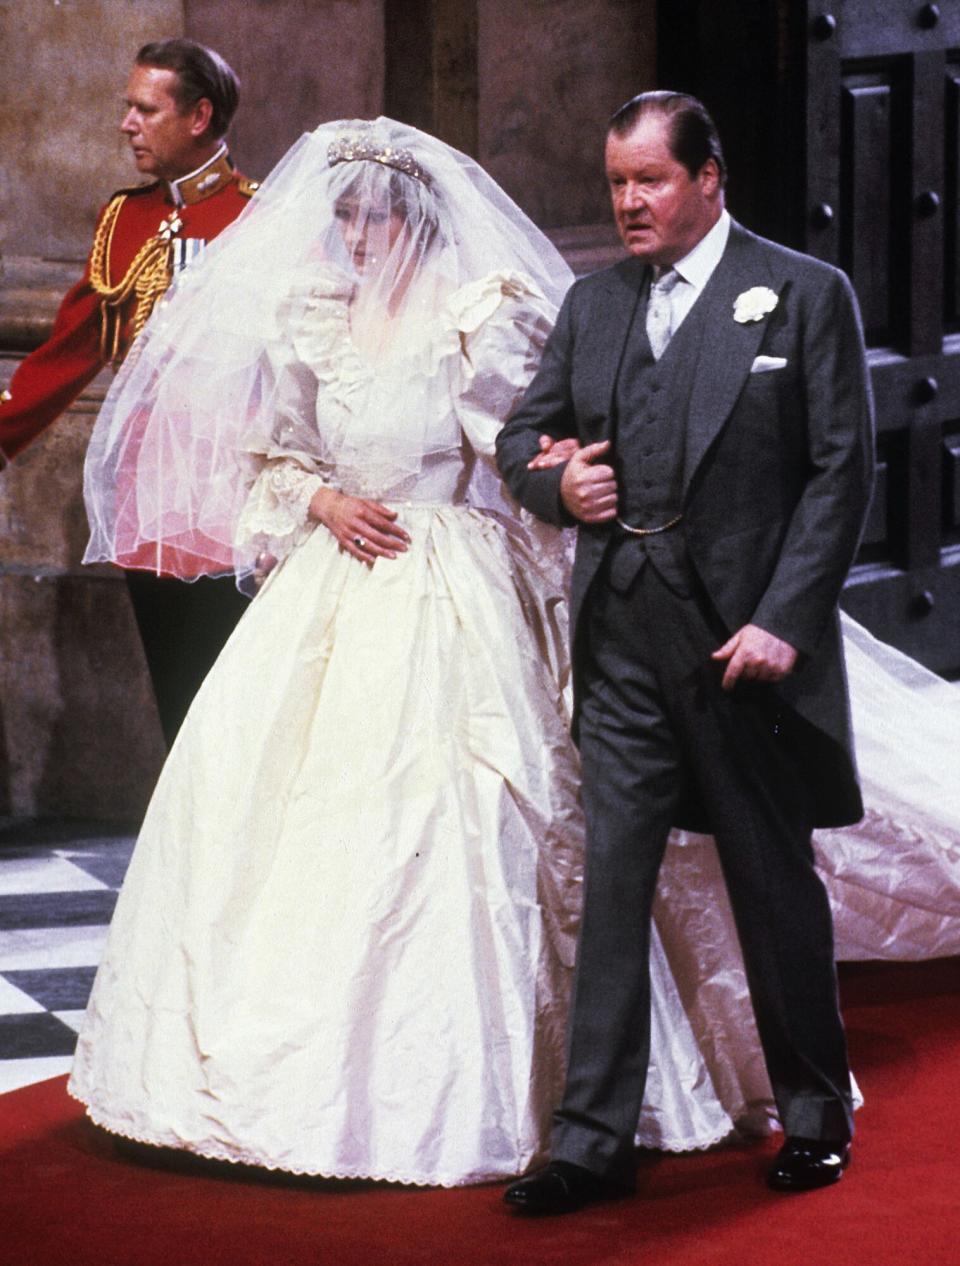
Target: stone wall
[(299, 61), (79, 733), (65, 66), (550, 75), (547, 74)]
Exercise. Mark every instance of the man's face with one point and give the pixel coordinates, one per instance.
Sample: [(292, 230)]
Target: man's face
[(164, 140), (660, 209)]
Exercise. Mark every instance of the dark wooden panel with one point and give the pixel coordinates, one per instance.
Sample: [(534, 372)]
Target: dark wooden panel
[(924, 491), (926, 244), (901, 384), (951, 482), (919, 612), (823, 134), (867, 174), (951, 270), (876, 532), (878, 28)]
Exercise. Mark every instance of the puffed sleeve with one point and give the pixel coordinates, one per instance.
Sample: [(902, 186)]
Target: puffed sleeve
[(290, 463), (504, 322), (289, 469)]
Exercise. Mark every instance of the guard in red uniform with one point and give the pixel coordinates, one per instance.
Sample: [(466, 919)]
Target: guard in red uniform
[(180, 98)]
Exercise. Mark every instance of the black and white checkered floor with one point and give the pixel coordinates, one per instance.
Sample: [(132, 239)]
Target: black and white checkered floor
[(58, 887)]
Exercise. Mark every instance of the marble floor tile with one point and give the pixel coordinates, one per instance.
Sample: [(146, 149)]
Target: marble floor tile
[(73, 1019), (106, 861), (15, 1073), (14, 1001), (52, 947), (58, 886), (53, 988), (29, 1036), (60, 909), (34, 874)]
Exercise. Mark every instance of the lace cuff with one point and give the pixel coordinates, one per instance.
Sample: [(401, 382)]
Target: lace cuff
[(275, 517)]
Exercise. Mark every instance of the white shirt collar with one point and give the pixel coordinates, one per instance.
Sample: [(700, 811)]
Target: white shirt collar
[(697, 265)]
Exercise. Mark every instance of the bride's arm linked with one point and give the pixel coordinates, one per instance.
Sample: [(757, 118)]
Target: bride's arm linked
[(504, 322)]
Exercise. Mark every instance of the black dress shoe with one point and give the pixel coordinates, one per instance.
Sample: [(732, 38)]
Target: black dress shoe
[(560, 1188), (805, 1164)]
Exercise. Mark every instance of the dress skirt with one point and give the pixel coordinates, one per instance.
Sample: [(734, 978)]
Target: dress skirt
[(344, 943)]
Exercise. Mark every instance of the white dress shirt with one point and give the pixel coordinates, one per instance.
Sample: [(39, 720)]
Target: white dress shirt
[(696, 269)]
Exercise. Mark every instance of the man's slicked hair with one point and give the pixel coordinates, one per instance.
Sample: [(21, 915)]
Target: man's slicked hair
[(693, 136), (200, 73)]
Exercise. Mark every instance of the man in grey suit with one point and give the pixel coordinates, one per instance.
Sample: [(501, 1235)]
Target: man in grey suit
[(702, 413)]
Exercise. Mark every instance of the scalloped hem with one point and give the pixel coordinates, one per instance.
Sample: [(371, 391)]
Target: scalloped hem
[(103, 1122), (677, 1147), (170, 1143)]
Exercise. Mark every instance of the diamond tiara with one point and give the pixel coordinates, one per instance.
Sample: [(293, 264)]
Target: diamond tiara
[(353, 147)]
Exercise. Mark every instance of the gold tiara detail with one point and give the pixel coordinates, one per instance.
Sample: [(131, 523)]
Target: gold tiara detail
[(354, 147)]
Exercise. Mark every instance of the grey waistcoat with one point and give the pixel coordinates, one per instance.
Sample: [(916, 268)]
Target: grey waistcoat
[(652, 400)]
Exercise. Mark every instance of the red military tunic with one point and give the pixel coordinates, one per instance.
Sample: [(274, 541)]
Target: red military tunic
[(143, 235)]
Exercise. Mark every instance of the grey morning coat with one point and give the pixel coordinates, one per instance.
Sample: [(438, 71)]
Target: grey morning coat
[(778, 468)]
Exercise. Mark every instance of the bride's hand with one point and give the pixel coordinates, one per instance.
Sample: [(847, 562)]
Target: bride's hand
[(365, 529), (553, 453)]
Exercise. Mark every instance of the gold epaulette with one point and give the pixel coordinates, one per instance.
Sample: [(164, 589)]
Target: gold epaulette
[(148, 276), (247, 187)]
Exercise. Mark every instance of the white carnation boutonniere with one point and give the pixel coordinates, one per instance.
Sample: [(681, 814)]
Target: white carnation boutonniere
[(754, 304)]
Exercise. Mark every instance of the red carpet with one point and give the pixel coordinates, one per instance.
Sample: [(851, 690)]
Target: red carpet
[(69, 1195)]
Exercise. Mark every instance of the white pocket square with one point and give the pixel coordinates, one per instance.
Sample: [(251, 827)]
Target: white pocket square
[(763, 364)]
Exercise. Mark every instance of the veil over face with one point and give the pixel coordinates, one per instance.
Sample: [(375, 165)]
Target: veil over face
[(394, 222)]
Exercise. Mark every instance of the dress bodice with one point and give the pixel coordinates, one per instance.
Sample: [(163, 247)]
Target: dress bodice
[(413, 419)]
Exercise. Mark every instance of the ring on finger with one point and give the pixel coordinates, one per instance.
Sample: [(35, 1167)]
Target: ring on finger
[(359, 542)]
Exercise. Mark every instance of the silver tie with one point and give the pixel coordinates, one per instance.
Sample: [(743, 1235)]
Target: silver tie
[(660, 312)]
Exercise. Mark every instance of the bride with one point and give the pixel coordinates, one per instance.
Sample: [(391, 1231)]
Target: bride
[(346, 935)]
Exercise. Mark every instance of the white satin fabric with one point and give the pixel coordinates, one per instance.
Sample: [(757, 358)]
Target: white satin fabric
[(345, 941)]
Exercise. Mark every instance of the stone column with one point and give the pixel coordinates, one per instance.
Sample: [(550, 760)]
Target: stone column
[(431, 68), (300, 62), (79, 734), (61, 102)]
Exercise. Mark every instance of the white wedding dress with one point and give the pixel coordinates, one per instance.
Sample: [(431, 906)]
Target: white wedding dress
[(345, 940)]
